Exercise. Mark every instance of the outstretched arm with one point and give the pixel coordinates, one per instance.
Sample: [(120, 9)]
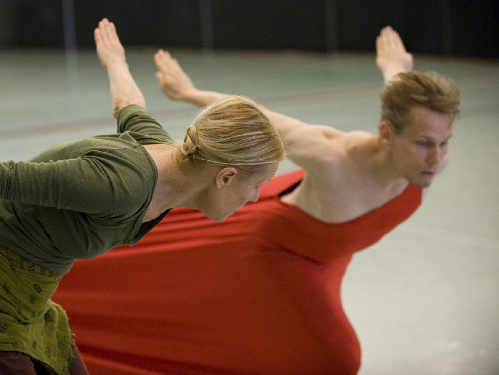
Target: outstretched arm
[(177, 85), (306, 145), (124, 90), (391, 55)]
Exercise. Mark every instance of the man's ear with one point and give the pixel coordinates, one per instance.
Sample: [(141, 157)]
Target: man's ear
[(225, 177), (385, 132)]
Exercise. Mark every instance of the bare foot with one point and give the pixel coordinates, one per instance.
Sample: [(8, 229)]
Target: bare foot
[(391, 55), (108, 45), (172, 79)]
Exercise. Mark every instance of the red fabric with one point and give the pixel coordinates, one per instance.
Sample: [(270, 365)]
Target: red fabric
[(257, 294)]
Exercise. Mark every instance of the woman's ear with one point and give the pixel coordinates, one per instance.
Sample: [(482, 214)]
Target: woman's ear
[(225, 176)]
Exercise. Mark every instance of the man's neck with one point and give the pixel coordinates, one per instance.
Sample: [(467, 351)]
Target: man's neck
[(376, 161)]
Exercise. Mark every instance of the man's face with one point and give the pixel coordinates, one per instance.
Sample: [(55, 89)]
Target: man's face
[(420, 150)]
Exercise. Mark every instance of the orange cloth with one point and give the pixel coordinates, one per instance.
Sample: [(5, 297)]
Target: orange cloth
[(256, 294)]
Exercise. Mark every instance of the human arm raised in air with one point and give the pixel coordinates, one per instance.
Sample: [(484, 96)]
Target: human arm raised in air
[(124, 90), (306, 145), (128, 103)]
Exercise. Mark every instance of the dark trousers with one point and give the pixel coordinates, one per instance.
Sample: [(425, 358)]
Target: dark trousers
[(15, 363)]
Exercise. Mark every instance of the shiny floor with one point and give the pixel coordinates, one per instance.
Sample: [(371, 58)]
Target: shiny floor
[(425, 300)]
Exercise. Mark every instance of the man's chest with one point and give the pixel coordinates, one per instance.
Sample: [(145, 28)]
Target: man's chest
[(339, 202)]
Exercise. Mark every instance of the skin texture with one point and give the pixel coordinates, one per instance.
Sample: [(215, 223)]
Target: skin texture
[(348, 173)]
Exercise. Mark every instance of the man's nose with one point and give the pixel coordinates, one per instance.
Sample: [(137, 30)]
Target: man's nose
[(435, 156)]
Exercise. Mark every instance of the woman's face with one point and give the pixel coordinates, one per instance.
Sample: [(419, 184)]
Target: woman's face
[(231, 191)]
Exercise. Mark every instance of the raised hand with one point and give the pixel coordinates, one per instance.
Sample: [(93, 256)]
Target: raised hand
[(124, 90), (109, 48), (172, 79), (391, 55)]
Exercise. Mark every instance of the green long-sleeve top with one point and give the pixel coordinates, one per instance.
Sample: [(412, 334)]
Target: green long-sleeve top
[(80, 199)]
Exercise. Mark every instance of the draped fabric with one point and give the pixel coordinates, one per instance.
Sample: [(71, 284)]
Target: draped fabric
[(257, 294)]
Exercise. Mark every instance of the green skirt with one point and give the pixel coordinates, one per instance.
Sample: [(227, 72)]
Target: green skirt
[(30, 322)]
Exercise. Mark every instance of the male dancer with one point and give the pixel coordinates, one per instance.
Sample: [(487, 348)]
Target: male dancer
[(351, 173)]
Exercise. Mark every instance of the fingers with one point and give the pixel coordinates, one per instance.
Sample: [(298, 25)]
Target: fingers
[(110, 31), (166, 63), (389, 39), (391, 55), (97, 35), (397, 40), (378, 44), (162, 59), (158, 59), (160, 64), (381, 40), (386, 37), (105, 33)]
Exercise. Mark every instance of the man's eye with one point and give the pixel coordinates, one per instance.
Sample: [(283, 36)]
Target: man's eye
[(423, 143)]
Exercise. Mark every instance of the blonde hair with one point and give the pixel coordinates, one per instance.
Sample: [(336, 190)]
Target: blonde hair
[(430, 90), (233, 132)]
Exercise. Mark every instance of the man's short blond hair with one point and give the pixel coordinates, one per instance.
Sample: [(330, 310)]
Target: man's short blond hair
[(412, 89)]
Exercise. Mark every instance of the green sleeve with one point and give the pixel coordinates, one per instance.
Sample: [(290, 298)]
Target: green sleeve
[(135, 119), (96, 183)]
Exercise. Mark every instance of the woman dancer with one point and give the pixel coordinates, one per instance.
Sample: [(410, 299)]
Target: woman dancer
[(262, 295), (81, 199)]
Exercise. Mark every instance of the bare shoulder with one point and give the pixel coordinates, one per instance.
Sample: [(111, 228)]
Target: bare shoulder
[(329, 132), (308, 146), (358, 136), (318, 133), (339, 143), (322, 149), (338, 155)]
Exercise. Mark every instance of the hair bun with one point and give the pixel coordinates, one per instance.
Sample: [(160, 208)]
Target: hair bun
[(190, 145)]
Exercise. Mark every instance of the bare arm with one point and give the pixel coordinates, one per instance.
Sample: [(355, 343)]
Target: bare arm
[(124, 90), (305, 144)]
